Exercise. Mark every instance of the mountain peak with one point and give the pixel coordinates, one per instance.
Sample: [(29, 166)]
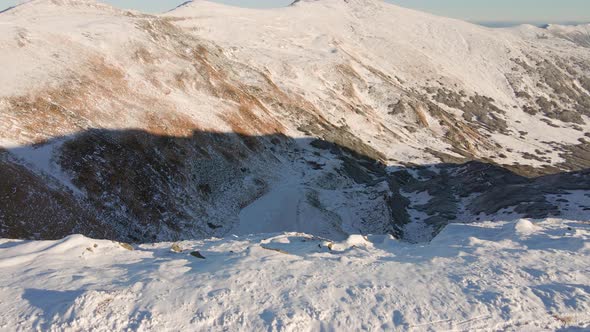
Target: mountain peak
[(47, 4), (345, 2), (188, 7), (189, 4)]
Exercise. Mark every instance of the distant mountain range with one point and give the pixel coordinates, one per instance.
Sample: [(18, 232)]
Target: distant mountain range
[(503, 24)]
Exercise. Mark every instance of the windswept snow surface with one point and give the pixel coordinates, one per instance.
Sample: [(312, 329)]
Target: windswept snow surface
[(486, 276)]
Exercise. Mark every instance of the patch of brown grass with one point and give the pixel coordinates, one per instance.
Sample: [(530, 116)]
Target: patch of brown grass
[(349, 76), (99, 97), (422, 119), (245, 121), (143, 55), (566, 320), (169, 124)]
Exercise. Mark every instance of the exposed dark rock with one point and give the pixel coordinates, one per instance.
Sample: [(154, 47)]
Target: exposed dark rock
[(478, 110), (140, 187), (491, 188), (33, 207), (577, 157), (523, 95), (146, 183), (197, 255)]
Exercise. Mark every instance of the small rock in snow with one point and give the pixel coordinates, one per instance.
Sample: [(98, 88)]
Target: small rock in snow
[(126, 246), (197, 254), (176, 248)]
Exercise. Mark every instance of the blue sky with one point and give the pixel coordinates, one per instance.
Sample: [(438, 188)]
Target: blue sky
[(534, 11)]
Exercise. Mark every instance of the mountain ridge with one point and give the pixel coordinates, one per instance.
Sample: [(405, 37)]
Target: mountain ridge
[(36, 5)]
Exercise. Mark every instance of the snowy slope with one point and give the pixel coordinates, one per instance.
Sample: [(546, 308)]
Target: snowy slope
[(211, 119), (390, 51), (515, 276), (576, 34)]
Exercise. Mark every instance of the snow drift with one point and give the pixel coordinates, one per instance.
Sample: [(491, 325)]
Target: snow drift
[(487, 276)]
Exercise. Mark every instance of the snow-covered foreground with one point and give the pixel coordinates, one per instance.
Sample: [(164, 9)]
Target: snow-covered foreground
[(486, 276)]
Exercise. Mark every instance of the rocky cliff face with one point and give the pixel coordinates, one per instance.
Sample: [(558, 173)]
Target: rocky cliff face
[(332, 116)]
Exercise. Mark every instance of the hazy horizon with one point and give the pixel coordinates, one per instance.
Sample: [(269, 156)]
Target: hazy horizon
[(501, 13)]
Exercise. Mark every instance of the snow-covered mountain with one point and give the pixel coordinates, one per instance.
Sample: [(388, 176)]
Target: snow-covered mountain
[(332, 165), (330, 117)]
